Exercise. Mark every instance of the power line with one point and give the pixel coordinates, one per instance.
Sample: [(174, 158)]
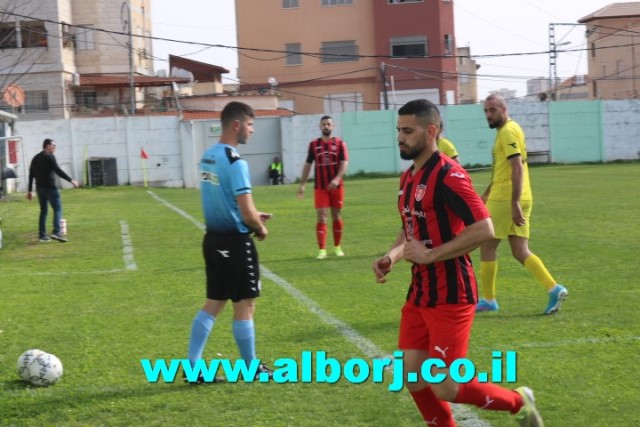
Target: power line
[(438, 74), (286, 52)]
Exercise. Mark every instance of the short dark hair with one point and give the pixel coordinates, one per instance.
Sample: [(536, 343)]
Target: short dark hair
[(325, 118), (47, 142), (424, 110), (235, 110)]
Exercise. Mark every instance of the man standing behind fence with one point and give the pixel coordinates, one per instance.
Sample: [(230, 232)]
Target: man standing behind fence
[(275, 172), (509, 200), (43, 169)]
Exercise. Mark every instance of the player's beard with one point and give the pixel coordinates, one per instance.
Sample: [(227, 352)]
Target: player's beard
[(496, 123), (326, 132), (242, 138), (411, 153)]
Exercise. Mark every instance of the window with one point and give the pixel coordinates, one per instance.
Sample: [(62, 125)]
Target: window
[(463, 78), (341, 51), (288, 4), (448, 44), (36, 101), (87, 99), (33, 34), (409, 46), (293, 53), (68, 39), (336, 2), (84, 37), (593, 50), (8, 36)]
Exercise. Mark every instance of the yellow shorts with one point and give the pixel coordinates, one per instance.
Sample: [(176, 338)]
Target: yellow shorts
[(503, 225)]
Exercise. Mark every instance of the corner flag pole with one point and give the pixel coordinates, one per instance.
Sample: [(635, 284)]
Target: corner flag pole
[(144, 156)]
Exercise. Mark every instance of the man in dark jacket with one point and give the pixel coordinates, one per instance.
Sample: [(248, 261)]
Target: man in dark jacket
[(43, 169)]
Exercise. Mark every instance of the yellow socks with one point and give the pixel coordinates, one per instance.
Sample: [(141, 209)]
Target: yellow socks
[(539, 271), (488, 273)]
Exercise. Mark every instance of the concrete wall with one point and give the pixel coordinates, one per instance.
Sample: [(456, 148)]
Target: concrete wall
[(571, 131)]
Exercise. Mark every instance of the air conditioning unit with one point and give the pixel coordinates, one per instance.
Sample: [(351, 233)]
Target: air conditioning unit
[(75, 79)]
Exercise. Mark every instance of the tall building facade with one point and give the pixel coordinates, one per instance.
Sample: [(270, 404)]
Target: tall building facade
[(54, 50), (467, 76), (347, 55), (613, 37)]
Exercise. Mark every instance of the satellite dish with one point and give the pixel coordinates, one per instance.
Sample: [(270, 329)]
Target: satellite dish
[(13, 95)]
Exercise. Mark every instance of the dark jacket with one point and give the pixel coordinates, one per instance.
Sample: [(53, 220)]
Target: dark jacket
[(43, 169)]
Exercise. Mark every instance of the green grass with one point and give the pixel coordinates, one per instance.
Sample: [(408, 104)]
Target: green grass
[(77, 301)]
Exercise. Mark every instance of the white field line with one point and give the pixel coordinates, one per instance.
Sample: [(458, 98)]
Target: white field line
[(74, 273), (127, 257), (465, 416), (562, 343), (127, 247)]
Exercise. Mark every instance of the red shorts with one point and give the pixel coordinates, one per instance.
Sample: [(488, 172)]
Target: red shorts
[(329, 198), (443, 330)]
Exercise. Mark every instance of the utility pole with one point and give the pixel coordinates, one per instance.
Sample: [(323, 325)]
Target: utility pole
[(126, 25), (553, 55), (553, 70), (385, 95)]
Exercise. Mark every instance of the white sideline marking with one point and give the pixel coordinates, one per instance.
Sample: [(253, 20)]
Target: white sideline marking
[(127, 247), (127, 257), (69, 273), (563, 343), (465, 416), (180, 212)]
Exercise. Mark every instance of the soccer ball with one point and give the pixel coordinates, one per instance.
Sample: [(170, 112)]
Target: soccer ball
[(45, 370), (24, 360)]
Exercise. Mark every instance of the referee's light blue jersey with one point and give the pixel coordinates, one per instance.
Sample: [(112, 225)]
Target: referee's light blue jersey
[(224, 175)]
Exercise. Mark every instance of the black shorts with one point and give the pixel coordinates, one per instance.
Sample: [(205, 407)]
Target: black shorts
[(232, 266)]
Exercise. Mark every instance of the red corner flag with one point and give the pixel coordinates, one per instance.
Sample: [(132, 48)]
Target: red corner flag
[(143, 154)]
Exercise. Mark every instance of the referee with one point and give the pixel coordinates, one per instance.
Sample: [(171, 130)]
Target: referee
[(231, 258)]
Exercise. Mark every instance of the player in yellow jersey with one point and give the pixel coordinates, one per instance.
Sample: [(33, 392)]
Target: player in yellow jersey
[(509, 200), (446, 147)]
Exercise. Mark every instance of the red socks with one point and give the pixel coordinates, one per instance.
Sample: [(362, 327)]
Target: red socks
[(337, 232), (489, 396), (321, 235), (433, 410)]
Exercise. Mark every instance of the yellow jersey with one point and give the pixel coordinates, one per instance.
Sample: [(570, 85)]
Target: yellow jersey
[(447, 148), (510, 141)]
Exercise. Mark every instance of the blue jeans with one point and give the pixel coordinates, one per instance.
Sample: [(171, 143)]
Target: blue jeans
[(51, 196)]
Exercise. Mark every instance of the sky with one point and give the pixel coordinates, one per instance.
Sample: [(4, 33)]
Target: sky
[(489, 27)]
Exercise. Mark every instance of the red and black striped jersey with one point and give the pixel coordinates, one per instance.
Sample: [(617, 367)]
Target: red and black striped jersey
[(435, 205), (327, 156)]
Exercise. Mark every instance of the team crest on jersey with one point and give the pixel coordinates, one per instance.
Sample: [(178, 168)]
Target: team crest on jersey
[(420, 190)]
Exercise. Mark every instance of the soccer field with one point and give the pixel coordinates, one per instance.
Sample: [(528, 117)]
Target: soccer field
[(127, 285)]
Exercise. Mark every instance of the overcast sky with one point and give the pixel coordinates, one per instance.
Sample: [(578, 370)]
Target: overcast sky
[(489, 27)]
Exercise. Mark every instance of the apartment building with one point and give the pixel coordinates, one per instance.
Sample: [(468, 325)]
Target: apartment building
[(66, 57), (613, 37), (328, 56), (467, 81)]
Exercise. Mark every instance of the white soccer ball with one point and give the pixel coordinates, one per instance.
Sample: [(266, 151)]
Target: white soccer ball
[(24, 360), (45, 370)]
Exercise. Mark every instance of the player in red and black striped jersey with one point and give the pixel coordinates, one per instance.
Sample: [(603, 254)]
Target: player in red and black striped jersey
[(331, 159), (443, 219)]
